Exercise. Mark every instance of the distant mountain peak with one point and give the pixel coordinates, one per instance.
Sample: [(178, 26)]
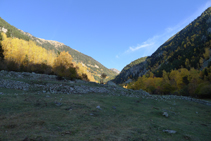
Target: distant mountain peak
[(115, 70)]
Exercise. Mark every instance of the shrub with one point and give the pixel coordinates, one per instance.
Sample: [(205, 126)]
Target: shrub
[(200, 86), (166, 88), (205, 91)]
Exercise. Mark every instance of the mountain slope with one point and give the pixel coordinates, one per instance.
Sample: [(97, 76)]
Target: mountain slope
[(93, 66), (190, 47), (130, 71)]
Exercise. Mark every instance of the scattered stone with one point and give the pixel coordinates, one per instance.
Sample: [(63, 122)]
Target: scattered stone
[(1, 93), (165, 114), (58, 103), (196, 112), (169, 131), (47, 96), (98, 107), (44, 91), (91, 114)]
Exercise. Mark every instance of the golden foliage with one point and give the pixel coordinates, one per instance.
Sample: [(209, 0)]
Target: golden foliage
[(16, 50), (181, 81)]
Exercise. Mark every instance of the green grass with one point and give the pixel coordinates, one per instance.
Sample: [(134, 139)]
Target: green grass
[(34, 116)]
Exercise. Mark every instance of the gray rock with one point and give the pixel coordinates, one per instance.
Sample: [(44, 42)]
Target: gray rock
[(98, 107), (110, 83), (170, 131), (58, 103), (165, 114)]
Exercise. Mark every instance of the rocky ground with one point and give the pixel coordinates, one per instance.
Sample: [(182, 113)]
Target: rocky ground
[(48, 84)]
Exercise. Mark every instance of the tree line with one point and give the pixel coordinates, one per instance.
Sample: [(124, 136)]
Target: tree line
[(184, 82)]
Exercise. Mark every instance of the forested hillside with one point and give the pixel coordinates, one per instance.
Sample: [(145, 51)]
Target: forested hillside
[(130, 71), (189, 48), (93, 66), (181, 65)]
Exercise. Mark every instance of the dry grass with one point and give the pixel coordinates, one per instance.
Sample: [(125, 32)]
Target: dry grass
[(32, 116)]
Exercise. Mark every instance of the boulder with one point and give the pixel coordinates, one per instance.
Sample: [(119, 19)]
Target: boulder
[(110, 83), (165, 114), (170, 131)]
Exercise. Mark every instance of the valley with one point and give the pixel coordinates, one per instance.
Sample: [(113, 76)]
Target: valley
[(50, 91)]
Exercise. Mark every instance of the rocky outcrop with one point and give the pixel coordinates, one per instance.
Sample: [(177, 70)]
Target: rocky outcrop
[(115, 70), (3, 29), (11, 84)]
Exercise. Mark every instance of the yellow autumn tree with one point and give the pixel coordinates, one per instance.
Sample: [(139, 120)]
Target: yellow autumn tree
[(63, 66), (22, 52), (82, 71)]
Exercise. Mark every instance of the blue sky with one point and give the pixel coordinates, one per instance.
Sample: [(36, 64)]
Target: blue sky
[(113, 32)]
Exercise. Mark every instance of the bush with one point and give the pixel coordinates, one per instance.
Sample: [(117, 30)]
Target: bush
[(200, 86), (205, 91), (166, 88), (71, 74)]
